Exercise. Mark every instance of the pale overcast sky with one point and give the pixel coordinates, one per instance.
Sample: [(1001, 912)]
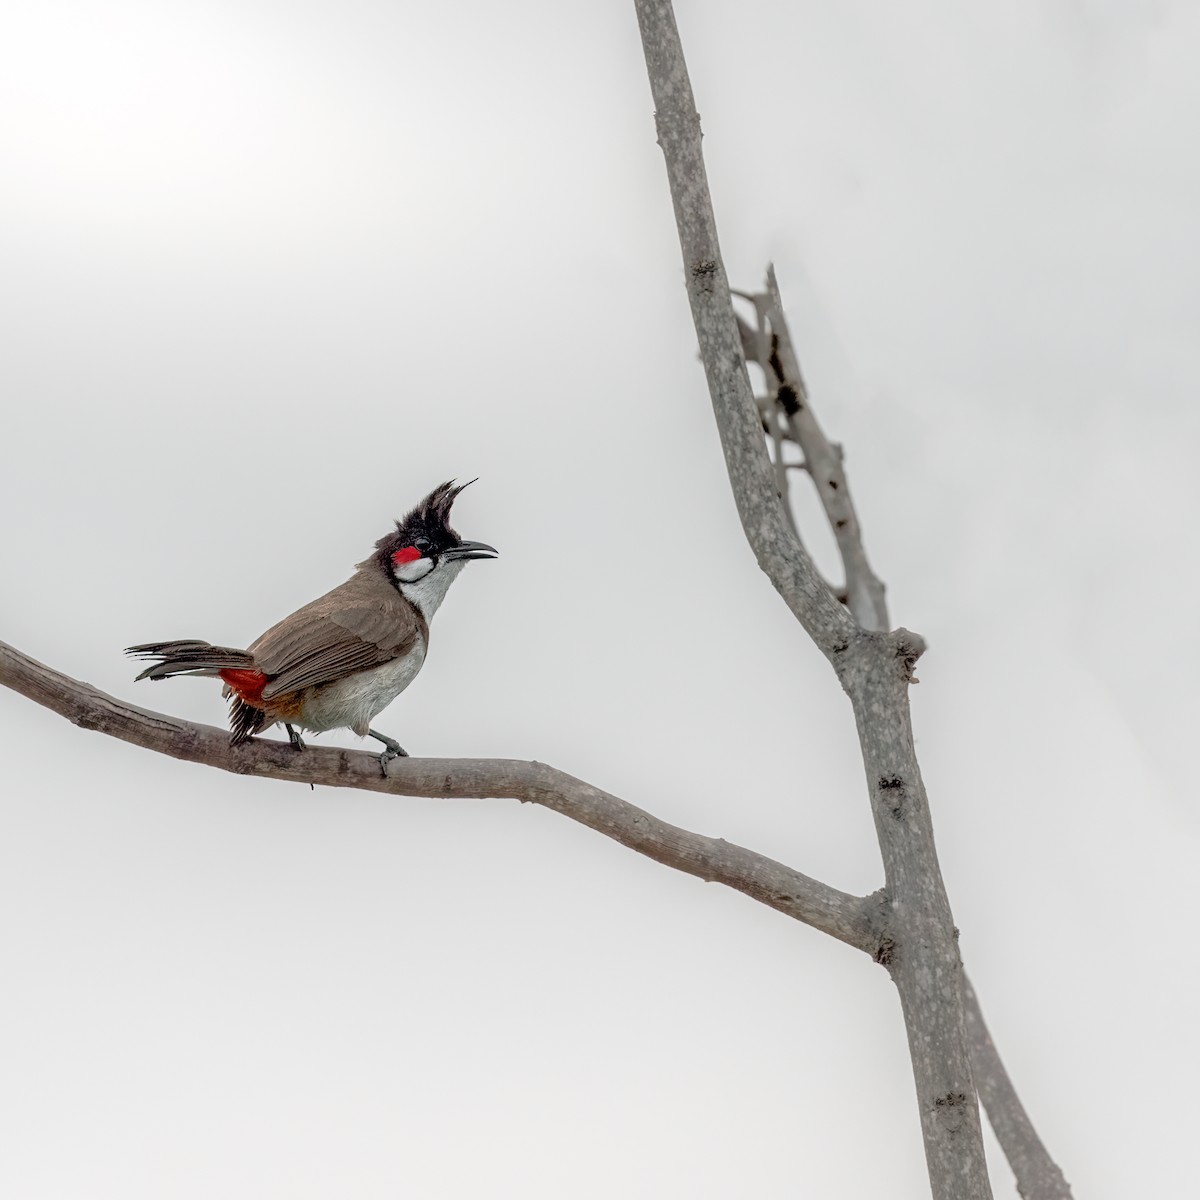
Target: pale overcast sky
[(271, 271)]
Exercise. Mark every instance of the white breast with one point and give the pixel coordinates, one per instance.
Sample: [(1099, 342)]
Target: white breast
[(354, 702)]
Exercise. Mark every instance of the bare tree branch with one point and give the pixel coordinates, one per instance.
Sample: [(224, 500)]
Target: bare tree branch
[(874, 668), (850, 919), (767, 527), (775, 428), (776, 355), (925, 962), (1037, 1174)]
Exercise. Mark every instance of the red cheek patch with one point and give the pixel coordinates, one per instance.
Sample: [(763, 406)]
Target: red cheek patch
[(407, 555)]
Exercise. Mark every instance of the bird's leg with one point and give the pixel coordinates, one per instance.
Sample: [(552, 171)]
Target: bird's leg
[(393, 749), (294, 737)]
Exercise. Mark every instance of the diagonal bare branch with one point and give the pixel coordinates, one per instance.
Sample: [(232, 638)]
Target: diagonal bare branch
[(1037, 1174), (848, 918), (776, 355)]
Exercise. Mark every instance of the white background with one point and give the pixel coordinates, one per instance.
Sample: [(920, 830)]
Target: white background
[(271, 271)]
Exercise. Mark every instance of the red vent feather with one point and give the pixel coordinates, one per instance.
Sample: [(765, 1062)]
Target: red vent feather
[(245, 683)]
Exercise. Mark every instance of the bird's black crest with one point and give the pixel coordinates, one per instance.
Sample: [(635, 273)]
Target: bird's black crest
[(430, 519)]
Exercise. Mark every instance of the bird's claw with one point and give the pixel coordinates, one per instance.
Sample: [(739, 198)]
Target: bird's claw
[(387, 756), (392, 749)]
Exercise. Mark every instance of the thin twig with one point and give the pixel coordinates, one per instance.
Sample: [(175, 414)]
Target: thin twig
[(864, 588), (1037, 1174), (768, 531), (772, 418)]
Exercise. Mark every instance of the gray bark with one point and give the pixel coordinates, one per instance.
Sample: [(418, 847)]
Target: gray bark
[(1037, 1174), (850, 919), (864, 589), (921, 949), (923, 956), (767, 527)]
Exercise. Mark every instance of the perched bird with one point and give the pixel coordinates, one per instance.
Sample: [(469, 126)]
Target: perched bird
[(341, 660)]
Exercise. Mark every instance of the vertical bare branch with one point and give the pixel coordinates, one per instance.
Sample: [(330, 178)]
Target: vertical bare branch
[(875, 669), (922, 956), (767, 529), (1037, 1175)]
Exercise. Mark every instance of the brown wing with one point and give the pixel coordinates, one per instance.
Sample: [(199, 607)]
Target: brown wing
[(361, 624)]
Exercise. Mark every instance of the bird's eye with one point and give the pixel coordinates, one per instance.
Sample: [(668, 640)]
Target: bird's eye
[(422, 544)]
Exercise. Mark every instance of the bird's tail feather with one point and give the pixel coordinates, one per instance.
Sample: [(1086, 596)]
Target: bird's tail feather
[(190, 658), (245, 721), (201, 658)]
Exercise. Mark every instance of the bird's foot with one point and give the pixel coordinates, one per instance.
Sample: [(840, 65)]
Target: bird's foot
[(293, 737), (392, 749)]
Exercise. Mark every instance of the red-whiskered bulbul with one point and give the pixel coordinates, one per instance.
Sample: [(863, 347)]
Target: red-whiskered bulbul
[(341, 660)]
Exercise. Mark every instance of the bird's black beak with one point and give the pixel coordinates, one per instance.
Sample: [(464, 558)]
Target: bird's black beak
[(466, 550)]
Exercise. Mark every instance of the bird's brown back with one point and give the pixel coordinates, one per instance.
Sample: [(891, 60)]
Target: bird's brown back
[(363, 623)]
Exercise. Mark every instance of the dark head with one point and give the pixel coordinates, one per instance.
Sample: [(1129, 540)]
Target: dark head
[(424, 554)]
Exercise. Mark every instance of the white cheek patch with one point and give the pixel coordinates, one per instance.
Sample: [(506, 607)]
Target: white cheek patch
[(428, 592), (410, 572)]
